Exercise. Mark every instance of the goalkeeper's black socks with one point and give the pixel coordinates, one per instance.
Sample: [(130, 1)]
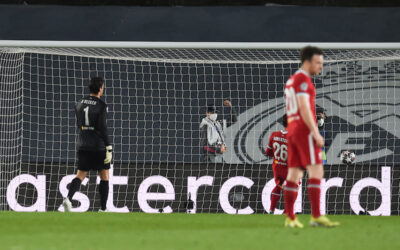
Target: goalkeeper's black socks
[(103, 188), (75, 184)]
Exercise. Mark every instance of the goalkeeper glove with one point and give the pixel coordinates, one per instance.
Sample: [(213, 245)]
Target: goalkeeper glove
[(108, 158)]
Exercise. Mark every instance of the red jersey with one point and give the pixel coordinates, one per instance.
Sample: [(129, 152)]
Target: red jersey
[(277, 148), (298, 84)]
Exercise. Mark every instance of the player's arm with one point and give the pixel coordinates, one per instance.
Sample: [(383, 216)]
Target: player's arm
[(232, 112), (78, 116), (102, 126), (306, 115), (104, 134), (269, 151), (233, 115)]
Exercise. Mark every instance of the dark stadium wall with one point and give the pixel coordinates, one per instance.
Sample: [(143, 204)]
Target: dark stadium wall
[(156, 108), (223, 24), (365, 3)]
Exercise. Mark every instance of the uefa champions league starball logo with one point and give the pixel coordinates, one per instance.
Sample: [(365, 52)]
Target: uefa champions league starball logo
[(359, 98)]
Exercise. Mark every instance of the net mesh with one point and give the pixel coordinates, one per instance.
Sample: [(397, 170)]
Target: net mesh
[(157, 99)]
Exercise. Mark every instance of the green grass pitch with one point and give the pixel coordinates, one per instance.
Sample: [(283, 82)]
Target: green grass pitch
[(90, 230)]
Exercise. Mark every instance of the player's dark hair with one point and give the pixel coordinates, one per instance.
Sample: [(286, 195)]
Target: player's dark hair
[(95, 85), (307, 53), (284, 121)]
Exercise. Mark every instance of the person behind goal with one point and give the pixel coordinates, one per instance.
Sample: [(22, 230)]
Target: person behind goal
[(304, 139), (94, 148), (321, 117), (277, 148)]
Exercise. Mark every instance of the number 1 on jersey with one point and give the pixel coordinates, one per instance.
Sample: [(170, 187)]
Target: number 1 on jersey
[(86, 115)]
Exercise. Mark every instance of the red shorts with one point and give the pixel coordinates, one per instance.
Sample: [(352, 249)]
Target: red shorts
[(302, 150), (280, 174)]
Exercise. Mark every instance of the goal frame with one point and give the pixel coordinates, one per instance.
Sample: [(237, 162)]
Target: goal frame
[(193, 45)]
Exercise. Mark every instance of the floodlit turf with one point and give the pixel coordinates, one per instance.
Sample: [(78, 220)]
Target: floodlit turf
[(54, 230)]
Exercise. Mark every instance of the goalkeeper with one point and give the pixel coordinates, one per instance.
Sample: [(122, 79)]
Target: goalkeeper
[(94, 149)]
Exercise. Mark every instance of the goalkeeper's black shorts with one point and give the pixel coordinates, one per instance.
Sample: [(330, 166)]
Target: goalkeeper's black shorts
[(92, 160)]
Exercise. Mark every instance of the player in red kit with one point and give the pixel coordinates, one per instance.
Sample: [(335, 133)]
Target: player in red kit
[(277, 148), (304, 139)]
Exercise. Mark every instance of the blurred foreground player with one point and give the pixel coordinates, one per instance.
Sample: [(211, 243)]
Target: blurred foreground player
[(94, 149), (304, 139), (277, 148)]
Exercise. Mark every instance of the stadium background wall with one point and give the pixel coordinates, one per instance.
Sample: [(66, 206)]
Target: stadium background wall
[(224, 24), (155, 108)]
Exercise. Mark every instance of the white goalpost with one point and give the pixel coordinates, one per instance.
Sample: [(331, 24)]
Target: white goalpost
[(158, 92)]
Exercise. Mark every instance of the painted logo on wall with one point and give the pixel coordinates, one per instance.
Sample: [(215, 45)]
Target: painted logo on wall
[(361, 100)]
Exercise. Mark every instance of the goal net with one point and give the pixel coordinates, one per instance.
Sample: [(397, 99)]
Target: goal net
[(157, 98)]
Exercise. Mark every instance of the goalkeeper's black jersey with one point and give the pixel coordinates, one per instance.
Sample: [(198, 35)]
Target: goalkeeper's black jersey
[(91, 113)]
